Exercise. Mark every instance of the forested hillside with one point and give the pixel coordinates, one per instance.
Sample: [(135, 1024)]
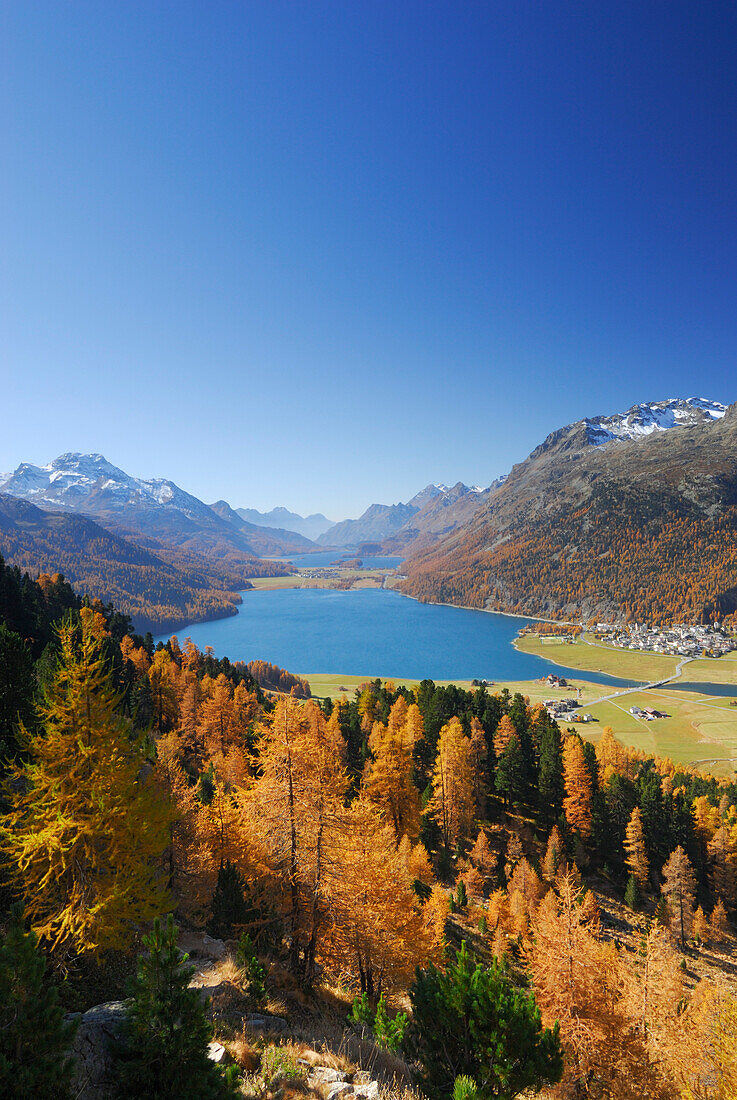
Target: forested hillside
[(347, 845)]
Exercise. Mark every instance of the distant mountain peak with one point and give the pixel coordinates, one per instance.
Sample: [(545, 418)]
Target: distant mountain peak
[(154, 508), (308, 526)]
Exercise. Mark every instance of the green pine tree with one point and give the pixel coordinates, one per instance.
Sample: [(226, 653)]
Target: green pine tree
[(17, 685), (511, 772), (167, 1032), (471, 1021), (228, 906), (632, 897), (34, 1039), (254, 975), (550, 776)]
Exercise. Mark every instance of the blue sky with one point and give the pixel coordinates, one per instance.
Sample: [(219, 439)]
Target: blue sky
[(321, 253)]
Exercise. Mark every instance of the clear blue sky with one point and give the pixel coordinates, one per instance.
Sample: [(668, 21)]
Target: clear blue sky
[(321, 253)]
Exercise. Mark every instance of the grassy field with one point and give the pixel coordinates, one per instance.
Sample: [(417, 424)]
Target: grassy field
[(709, 670), (629, 664), (361, 578), (701, 729), (327, 686)]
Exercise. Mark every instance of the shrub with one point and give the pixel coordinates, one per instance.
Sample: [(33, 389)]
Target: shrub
[(389, 1031), (164, 1056), (632, 898), (34, 1039), (254, 976), (361, 1014), (470, 1021), (280, 1062), (465, 1088)]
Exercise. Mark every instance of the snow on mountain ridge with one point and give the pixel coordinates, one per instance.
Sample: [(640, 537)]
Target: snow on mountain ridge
[(652, 416), (72, 477)]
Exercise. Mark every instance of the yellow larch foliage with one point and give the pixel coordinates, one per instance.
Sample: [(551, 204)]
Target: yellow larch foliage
[(483, 855), (451, 804), (87, 825), (706, 818), (388, 782), (578, 797), (634, 845), (504, 733)]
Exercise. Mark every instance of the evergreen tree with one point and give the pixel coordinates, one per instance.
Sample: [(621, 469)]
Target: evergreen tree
[(632, 894), (34, 1039), (87, 826), (550, 773), (472, 1021), (164, 1056), (228, 906), (17, 685), (510, 771)]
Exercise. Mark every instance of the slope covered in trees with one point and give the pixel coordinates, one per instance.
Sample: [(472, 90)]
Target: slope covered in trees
[(643, 529), (357, 841), (159, 588)]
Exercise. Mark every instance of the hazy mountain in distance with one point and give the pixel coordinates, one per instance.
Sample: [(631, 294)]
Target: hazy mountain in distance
[(158, 590), (310, 526), (382, 522), (271, 540)]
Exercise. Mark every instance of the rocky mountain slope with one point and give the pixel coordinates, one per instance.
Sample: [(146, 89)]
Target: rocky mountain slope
[(640, 524), (158, 590), (154, 513), (311, 527)]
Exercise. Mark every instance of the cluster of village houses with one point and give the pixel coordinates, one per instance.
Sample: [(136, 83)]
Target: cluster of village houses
[(679, 641), (564, 709)]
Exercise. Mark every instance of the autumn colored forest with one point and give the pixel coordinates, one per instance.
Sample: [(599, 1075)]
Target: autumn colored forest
[(509, 909), (620, 555)]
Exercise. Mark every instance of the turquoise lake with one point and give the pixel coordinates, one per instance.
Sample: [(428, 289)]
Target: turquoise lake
[(375, 632)]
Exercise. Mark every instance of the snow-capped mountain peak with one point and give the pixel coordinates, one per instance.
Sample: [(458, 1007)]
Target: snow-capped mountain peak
[(73, 480), (652, 416)]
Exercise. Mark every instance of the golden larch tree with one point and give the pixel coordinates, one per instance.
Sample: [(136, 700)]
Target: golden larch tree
[(504, 733), (679, 890), (87, 825), (634, 845), (577, 803), (451, 804), (388, 782)]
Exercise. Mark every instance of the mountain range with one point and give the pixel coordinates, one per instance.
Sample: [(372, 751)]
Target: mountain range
[(632, 515), (162, 555), (435, 510), (310, 526), (153, 512)]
